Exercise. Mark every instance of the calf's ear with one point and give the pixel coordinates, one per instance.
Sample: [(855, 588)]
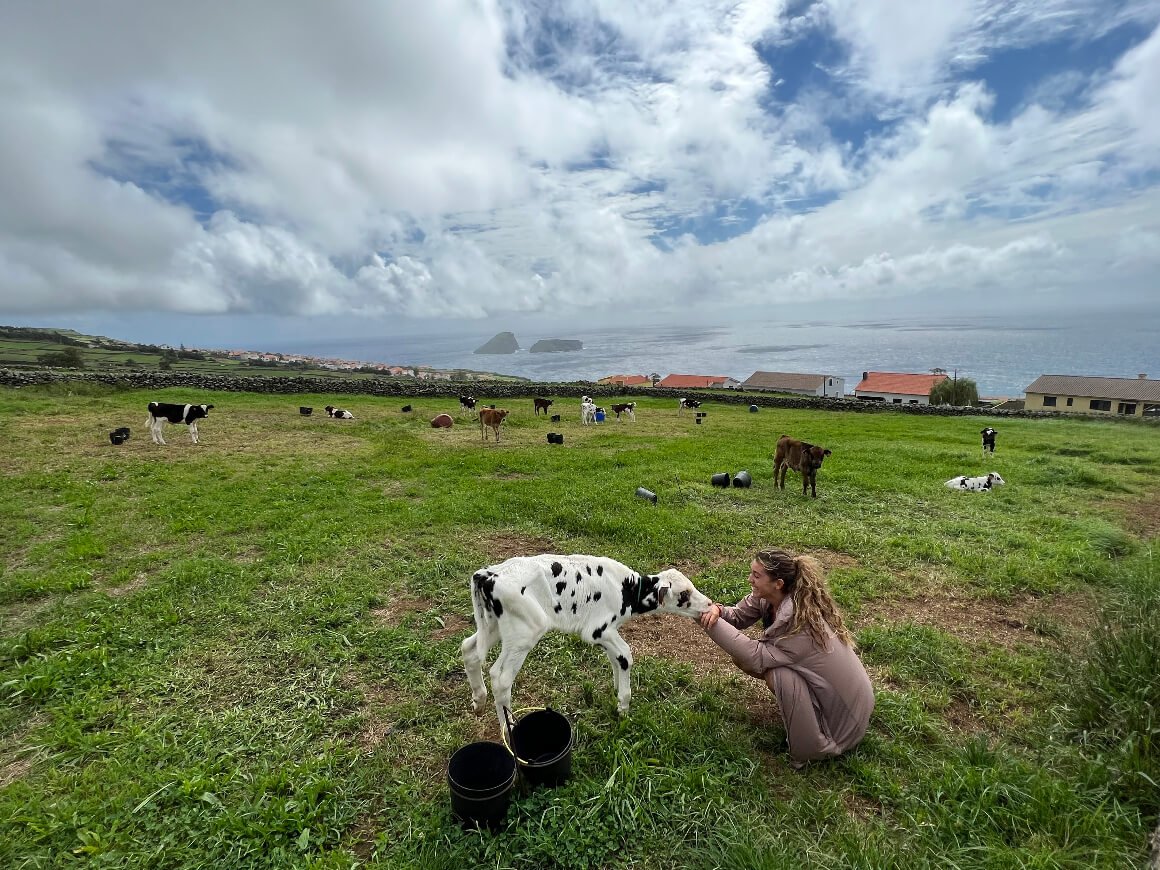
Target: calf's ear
[(662, 592), (826, 453)]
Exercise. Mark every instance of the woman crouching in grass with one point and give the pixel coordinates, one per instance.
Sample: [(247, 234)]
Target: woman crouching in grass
[(806, 655)]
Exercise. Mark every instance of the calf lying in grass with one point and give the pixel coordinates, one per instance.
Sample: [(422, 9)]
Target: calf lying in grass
[(976, 484), (518, 601)]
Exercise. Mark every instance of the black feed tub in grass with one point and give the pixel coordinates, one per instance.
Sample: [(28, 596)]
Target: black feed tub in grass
[(305, 411), (542, 744), (480, 776)]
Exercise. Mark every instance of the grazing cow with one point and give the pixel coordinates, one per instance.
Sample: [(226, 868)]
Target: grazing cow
[(976, 484), (989, 439), (161, 412), (802, 457), (587, 411), (518, 601), (338, 413), (467, 403), (491, 417), (541, 405), (687, 403), (626, 408)]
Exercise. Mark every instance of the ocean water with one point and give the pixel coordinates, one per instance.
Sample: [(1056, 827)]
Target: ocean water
[(1001, 355)]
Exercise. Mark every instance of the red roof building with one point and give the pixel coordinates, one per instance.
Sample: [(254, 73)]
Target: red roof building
[(697, 382), (897, 388)]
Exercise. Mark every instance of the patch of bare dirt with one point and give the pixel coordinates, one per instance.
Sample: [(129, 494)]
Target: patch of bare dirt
[(861, 808), (959, 715), (15, 760), (504, 545), (13, 769), (978, 621), (676, 639), (832, 559), (1142, 517), (453, 624), (129, 588), (401, 606), (375, 724)]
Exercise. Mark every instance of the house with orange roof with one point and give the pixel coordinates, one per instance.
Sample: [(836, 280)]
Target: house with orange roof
[(698, 382), (626, 380), (897, 388)]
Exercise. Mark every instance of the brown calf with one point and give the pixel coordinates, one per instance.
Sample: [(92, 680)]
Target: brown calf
[(542, 404), (802, 457), (492, 417)]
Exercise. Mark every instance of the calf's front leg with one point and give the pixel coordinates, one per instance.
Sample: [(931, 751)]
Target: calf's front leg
[(503, 675), (620, 656)]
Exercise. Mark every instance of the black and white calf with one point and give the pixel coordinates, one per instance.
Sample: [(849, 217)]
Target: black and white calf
[(587, 410), (518, 601), (989, 439), (467, 403), (976, 484), (338, 413), (687, 403), (160, 412)]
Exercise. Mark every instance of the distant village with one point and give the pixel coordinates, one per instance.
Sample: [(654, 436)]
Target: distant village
[(334, 364)]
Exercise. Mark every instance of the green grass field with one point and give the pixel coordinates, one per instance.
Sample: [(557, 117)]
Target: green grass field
[(245, 653)]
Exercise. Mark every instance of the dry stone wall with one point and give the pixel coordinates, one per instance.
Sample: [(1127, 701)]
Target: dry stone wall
[(487, 391)]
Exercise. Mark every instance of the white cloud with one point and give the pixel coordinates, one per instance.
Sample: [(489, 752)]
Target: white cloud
[(376, 160)]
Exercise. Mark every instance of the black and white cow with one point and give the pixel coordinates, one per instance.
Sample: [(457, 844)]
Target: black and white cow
[(467, 403), (989, 439), (976, 484), (162, 412), (338, 413), (518, 601), (587, 410), (687, 403)]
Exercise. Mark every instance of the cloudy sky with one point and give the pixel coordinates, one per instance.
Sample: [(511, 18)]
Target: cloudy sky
[(260, 168)]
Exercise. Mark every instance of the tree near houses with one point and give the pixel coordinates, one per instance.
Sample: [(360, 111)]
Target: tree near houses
[(954, 391)]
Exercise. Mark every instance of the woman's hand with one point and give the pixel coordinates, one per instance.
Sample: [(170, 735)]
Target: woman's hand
[(710, 616)]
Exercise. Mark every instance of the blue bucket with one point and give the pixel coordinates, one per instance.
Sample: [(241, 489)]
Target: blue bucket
[(599, 416)]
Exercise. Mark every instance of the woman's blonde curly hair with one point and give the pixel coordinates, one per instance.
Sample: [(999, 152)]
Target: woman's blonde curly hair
[(805, 583)]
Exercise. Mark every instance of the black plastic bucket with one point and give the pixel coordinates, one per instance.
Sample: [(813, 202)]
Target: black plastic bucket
[(555, 418), (542, 744), (406, 409), (305, 411), (742, 480), (720, 479), (698, 419), (480, 777), (753, 409), (117, 437)]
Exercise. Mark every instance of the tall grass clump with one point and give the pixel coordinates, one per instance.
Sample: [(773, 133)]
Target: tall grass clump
[(1117, 703)]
